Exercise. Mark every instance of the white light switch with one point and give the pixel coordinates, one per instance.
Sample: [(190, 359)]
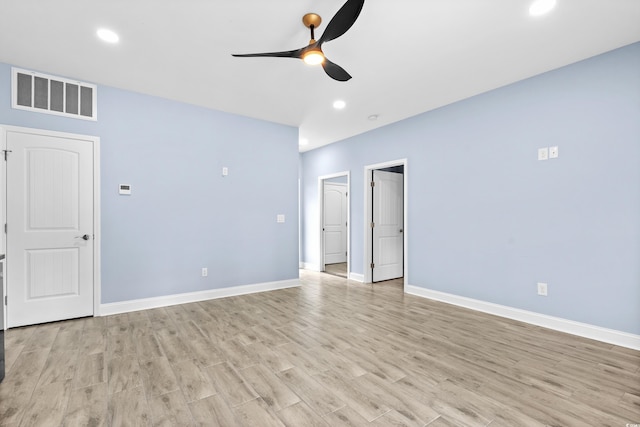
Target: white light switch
[(280, 218), (225, 171), (553, 152), (543, 153), (542, 289)]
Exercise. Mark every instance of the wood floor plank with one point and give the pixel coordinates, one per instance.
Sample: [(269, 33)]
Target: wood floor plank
[(129, 408), (346, 417), (93, 341), (270, 358), (213, 411), (275, 393), (256, 413), (157, 376), (367, 404), (67, 340), (301, 415), (60, 367), (42, 338), (193, 382), (228, 381), (170, 409), (87, 407), (237, 354), (409, 405), (319, 399), (90, 370), (174, 347), (123, 374), (301, 358), (48, 406)]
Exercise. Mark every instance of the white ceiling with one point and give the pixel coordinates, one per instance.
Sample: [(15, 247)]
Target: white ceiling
[(406, 56)]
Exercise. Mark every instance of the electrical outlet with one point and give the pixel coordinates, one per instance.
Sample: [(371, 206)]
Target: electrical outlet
[(542, 289), (543, 153), (205, 272), (553, 152)]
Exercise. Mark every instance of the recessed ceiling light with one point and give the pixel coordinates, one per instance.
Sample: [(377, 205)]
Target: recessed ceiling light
[(303, 141), (373, 117), (339, 104), (107, 35), (540, 7)]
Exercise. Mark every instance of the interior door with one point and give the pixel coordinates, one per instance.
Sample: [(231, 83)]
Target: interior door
[(335, 223), (388, 218), (49, 228)]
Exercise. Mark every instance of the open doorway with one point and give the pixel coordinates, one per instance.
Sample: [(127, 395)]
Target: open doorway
[(385, 248), (333, 191)]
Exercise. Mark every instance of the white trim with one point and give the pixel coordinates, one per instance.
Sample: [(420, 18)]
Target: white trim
[(97, 285), (321, 180), (584, 330), (164, 301), (356, 277), (367, 217), (310, 266), (97, 235), (3, 219)]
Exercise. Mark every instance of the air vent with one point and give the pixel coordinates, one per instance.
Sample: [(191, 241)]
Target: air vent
[(53, 95)]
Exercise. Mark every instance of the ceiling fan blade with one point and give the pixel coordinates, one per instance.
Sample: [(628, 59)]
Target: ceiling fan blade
[(342, 20), (335, 71), (286, 54)]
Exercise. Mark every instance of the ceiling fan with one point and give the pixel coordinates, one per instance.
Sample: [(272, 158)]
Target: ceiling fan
[(312, 54)]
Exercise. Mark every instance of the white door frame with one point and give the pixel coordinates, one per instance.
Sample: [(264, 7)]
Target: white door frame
[(321, 180), (96, 201), (368, 241)]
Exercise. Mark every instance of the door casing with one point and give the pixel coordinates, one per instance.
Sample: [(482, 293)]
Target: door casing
[(321, 180), (4, 129), (340, 226), (368, 240)]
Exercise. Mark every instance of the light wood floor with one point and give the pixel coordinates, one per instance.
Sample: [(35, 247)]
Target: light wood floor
[(329, 353)]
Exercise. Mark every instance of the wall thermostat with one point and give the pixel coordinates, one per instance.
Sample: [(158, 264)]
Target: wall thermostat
[(124, 189)]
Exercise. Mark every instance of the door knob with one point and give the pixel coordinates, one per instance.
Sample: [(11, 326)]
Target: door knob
[(85, 237), (401, 230)]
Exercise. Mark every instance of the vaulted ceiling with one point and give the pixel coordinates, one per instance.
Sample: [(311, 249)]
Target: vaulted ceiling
[(406, 56)]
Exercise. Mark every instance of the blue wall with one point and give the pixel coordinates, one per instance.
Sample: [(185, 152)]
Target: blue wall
[(487, 220), (183, 215)]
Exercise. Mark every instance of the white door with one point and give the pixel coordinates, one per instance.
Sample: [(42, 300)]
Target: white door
[(49, 228), (388, 241), (335, 223)]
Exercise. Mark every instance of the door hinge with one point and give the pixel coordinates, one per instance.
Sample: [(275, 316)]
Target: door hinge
[(373, 224), (6, 153), (373, 183), (6, 299), (5, 228), (372, 266)]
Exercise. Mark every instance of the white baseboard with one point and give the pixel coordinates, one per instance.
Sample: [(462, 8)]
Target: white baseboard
[(165, 301), (311, 267), (585, 330), (356, 277)]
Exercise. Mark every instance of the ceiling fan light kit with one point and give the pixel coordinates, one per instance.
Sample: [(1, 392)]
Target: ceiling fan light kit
[(312, 53)]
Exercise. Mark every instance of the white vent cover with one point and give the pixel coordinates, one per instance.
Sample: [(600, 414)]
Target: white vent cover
[(53, 95)]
